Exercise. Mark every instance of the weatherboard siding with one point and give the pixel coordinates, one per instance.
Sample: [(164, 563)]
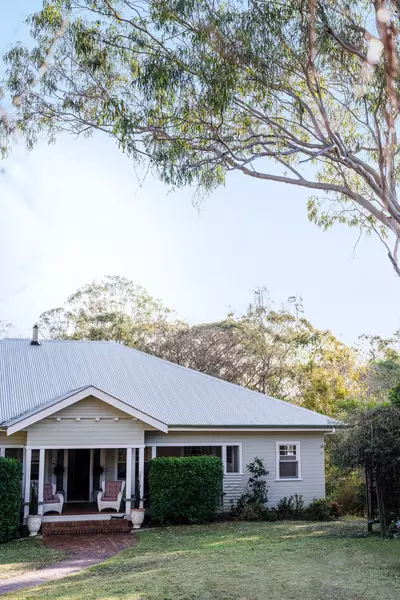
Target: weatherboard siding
[(87, 432), (16, 439), (109, 466), (233, 489), (312, 483), (91, 407), (263, 445), (49, 467)]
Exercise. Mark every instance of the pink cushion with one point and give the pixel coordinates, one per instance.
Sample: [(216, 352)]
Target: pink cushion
[(111, 490), (53, 500), (47, 492)]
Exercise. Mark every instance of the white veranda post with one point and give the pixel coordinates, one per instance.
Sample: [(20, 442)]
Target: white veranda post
[(224, 456), (27, 471), (41, 480), (128, 484), (141, 475)]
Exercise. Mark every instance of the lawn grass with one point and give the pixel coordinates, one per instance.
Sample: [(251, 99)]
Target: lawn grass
[(19, 556), (241, 561)]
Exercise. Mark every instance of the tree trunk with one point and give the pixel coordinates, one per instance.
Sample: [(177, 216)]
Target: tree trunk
[(369, 492), (380, 495)]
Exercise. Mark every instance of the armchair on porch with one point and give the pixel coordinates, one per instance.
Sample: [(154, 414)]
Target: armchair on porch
[(111, 495), (52, 502)]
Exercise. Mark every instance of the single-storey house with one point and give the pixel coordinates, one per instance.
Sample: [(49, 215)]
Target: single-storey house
[(77, 413)]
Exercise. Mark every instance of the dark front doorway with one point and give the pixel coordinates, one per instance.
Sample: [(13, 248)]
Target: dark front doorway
[(78, 475)]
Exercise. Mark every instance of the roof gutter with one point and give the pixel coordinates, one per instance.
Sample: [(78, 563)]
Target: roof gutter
[(327, 427)]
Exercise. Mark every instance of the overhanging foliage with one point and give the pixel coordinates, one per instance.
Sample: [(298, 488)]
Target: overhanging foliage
[(372, 438), (302, 92)]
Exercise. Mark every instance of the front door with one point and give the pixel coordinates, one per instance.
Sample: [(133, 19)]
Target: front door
[(78, 475)]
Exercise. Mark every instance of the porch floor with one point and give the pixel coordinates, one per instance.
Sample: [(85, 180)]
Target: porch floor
[(84, 508), (80, 511)]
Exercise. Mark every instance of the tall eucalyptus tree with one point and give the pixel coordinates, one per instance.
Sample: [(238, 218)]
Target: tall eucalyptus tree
[(303, 92)]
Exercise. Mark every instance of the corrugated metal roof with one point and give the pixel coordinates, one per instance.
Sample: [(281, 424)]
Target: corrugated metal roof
[(31, 376)]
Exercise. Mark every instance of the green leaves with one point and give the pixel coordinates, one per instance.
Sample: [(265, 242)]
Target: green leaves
[(113, 309), (198, 89), (185, 490), (10, 498), (372, 438)]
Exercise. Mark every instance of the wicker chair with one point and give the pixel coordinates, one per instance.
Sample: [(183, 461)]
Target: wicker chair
[(52, 502), (111, 495)]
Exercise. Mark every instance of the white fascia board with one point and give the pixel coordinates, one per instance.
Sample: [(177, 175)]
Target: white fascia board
[(233, 429), (81, 395)]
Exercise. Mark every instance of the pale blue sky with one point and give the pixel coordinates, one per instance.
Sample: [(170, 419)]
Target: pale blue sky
[(75, 211)]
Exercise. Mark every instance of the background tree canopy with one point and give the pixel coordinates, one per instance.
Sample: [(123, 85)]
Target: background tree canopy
[(303, 92), (276, 352), (113, 309)]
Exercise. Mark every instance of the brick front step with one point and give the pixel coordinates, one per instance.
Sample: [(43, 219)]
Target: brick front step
[(86, 527)]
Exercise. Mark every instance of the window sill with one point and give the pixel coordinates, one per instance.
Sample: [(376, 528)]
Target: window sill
[(228, 474), (290, 479)]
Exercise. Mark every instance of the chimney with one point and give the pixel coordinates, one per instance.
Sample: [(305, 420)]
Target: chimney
[(35, 336)]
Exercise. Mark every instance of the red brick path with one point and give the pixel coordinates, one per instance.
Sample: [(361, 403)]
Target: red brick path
[(85, 551)]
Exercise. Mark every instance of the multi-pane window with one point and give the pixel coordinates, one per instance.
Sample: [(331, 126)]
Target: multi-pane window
[(232, 459), (288, 461), (121, 463)]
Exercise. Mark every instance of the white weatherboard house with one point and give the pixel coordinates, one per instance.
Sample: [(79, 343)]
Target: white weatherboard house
[(78, 413)]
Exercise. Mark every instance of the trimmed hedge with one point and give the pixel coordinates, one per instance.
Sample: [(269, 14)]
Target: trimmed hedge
[(185, 490), (10, 498)]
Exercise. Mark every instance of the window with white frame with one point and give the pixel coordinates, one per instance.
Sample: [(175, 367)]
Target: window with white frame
[(232, 459), (288, 460)]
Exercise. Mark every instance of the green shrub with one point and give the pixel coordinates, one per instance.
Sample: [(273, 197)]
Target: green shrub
[(255, 496), (185, 490), (352, 497), (347, 488), (251, 512), (298, 506), (318, 510), (335, 510), (257, 486), (271, 514), (291, 507), (10, 498), (285, 507)]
